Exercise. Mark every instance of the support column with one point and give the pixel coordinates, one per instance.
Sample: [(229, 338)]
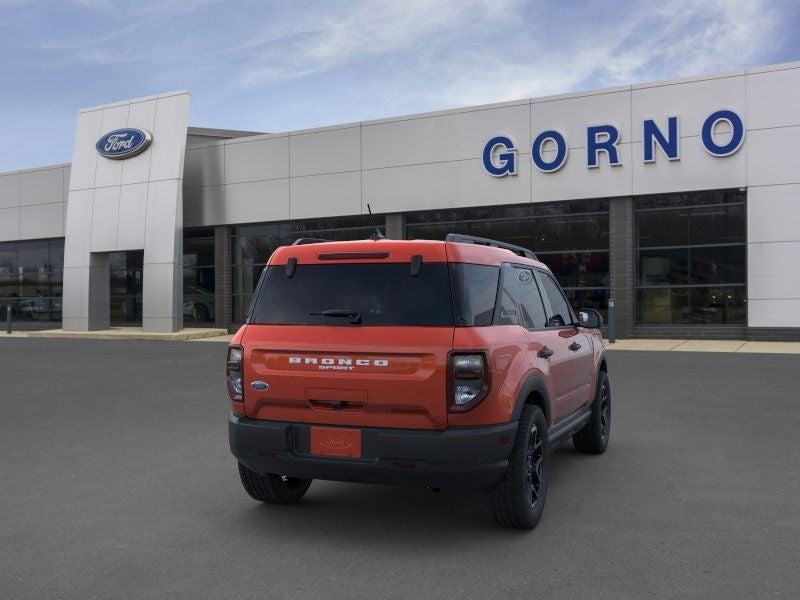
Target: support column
[(99, 292), (395, 226), (122, 205), (222, 276), (621, 263), (86, 303), (162, 276)]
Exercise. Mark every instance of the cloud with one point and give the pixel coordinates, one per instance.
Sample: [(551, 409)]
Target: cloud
[(327, 39), (276, 65), (471, 52), (667, 41)]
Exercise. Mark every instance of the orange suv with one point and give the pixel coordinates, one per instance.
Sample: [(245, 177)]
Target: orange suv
[(453, 365)]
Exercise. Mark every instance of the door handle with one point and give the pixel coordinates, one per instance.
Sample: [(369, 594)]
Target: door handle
[(545, 352), (574, 346)]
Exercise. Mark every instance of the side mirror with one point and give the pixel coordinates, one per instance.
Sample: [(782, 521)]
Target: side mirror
[(590, 318)]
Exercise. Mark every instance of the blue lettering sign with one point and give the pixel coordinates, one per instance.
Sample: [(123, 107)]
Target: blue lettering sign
[(507, 157), (500, 152), (707, 134), (602, 138), (652, 135), (561, 151)]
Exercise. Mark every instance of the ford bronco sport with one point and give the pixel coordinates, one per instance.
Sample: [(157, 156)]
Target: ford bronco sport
[(453, 365)]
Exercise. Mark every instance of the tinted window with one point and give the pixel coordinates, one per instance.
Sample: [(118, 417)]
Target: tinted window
[(565, 233), (718, 264), (507, 300), (664, 267), (558, 305), (30, 279), (530, 302), (578, 269), (474, 293), (692, 258), (383, 294), (663, 305), (572, 238), (718, 225), (718, 305), (252, 245), (662, 228)]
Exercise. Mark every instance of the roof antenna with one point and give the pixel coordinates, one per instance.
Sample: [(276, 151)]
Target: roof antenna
[(377, 235)]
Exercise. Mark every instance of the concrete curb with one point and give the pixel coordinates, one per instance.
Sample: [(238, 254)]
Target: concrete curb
[(125, 333), (222, 336), (730, 346)]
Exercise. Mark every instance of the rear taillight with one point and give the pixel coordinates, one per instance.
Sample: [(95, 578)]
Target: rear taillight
[(234, 372), (468, 380)]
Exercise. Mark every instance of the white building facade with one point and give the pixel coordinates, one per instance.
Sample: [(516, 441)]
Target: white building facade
[(677, 200)]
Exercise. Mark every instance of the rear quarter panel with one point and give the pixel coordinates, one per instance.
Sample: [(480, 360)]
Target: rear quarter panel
[(510, 365)]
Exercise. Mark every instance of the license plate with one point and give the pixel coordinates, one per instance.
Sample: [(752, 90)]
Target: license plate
[(335, 441)]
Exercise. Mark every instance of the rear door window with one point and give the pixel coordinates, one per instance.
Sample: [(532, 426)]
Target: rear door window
[(530, 300), (382, 294), (560, 313)]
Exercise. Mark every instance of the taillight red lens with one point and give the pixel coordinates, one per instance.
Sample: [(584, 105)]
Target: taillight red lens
[(234, 372)]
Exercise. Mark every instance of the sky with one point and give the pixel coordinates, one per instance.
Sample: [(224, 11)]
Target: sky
[(284, 65)]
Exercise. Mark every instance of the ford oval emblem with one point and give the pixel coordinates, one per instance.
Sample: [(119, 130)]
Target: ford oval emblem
[(261, 386), (123, 143)]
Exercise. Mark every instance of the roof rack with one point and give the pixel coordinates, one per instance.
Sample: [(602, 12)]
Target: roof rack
[(304, 241), (471, 239)]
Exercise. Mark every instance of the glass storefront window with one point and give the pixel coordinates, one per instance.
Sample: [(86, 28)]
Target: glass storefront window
[(199, 277), (718, 305), (658, 306), (572, 238), (30, 279), (585, 232), (691, 259), (126, 287), (662, 228), (667, 266), (578, 269)]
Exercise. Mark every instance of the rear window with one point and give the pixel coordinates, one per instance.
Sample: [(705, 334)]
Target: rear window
[(382, 294), (474, 293)]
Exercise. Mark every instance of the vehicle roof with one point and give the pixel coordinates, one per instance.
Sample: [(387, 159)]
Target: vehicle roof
[(398, 251)]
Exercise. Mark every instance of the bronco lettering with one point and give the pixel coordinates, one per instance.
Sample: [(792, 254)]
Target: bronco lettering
[(338, 362)]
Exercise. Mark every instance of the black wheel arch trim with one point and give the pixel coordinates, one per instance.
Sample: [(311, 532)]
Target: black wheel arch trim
[(531, 385), (603, 359)]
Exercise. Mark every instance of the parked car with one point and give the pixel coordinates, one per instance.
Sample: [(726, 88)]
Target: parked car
[(452, 365), (198, 303), (39, 309)]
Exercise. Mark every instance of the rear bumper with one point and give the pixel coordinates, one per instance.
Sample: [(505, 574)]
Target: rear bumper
[(462, 459)]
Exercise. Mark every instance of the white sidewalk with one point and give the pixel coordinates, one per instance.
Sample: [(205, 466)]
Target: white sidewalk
[(120, 333), (706, 346)]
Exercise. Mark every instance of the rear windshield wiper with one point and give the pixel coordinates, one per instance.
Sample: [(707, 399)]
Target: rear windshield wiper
[(344, 313)]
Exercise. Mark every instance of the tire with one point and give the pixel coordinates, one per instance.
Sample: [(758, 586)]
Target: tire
[(200, 313), (593, 438), (517, 501), (273, 489)]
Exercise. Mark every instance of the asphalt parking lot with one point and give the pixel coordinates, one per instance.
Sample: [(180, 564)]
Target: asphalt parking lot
[(116, 482)]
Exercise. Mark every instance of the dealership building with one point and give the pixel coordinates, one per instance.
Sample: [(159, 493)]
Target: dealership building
[(677, 200)]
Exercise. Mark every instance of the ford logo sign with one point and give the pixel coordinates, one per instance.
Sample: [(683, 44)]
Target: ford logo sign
[(123, 143)]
